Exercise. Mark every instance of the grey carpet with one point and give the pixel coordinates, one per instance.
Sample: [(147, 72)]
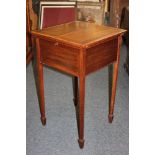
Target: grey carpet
[(59, 136)]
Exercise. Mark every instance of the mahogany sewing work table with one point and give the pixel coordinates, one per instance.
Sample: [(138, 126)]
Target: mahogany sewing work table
[(78, 48)]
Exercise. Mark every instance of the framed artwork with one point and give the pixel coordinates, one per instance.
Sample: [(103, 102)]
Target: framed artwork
[(55, 13), (90, 11)]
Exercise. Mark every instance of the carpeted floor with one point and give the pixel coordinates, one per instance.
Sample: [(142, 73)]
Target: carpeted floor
[(59, 136)]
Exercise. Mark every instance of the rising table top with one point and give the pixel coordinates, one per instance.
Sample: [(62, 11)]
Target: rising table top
[(77, 33)]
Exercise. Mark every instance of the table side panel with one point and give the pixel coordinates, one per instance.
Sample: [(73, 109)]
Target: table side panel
[(60, 56), (101, 55)]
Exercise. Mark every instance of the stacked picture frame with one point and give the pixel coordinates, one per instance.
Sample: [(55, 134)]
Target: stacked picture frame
[(56, 12), (90, 11)]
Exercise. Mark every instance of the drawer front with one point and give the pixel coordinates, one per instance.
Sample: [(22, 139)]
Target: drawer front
[(101, 55), (60, 56)]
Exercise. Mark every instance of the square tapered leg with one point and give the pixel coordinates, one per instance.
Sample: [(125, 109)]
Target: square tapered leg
[(81, 111), (41, 84), (114, 82)]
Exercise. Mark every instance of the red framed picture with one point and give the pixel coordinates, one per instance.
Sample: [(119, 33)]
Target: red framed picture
[(55, 13)]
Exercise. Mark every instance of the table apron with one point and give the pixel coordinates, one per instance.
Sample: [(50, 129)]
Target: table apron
[(60, 56), (101, 55)]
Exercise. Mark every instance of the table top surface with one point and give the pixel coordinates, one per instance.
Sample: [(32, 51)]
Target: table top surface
[(79, 33)]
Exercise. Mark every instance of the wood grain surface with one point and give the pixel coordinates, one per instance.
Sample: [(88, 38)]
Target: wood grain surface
[(79, 34), (99, 56), (60, 56)]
